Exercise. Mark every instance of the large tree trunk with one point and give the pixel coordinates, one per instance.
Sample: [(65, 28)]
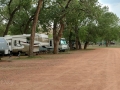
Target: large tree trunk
[(70, 41), (56, 44), (80, 46), (107, 43), (76, 44), (76, 38), (34, 28), (57, 36), (85, 45)]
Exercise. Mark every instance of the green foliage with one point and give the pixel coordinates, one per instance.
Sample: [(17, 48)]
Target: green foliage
[(108, 26), (94, 22), (83, 33)]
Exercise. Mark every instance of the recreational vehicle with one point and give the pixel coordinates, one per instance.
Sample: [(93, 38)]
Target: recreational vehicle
[(62, 44), (14, 43), (43, 41), (20, 43), (48, 44), (4, 49)]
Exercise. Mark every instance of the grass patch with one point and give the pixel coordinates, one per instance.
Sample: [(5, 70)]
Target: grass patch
[(66, 52), (26, 57), (104, 46)]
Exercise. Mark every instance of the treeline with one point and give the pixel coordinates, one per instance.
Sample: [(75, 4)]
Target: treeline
[(80, 20)]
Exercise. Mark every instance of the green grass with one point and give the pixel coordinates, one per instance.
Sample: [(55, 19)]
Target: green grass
[(26, 57), (103, 46), (50, 55)]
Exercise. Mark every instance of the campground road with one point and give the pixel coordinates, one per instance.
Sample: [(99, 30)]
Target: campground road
[(97, 69)]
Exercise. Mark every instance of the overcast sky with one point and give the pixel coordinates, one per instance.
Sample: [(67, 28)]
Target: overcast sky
[(114, 5)]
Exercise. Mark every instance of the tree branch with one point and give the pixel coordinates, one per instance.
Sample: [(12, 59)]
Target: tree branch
[(9, 7)]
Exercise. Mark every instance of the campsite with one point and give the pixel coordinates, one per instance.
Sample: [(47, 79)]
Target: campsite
[(59, 45)]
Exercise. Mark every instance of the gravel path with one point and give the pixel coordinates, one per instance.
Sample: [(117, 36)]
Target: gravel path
[(97, 69)]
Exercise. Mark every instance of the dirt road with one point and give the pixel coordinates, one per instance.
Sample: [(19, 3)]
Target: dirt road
[(97, 69)]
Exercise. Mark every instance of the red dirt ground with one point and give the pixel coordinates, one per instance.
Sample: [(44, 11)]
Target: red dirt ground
[(97, 69)]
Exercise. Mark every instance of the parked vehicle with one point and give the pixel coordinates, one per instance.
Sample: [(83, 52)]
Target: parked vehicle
[(62, 44), (20, 44), (47, 43), (43, 40), (4, 48), (14, 43)]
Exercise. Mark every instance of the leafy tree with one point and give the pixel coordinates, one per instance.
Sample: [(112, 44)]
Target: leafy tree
[(34, 27), (9, 10), (108, 27), (83, 13), (54, 13)]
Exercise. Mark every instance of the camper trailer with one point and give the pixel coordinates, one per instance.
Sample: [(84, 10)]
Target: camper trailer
[(20, 43), (14, 43), (43, 41), (26, 47), (4, 49)]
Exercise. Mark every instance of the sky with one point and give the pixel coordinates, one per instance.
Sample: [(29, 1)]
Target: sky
[(114, 6)]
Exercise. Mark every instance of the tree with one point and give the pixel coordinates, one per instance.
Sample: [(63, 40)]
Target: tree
[(10, 10), (83, 13), (54, 13), (59, 20), (108, 27), (34, 27)]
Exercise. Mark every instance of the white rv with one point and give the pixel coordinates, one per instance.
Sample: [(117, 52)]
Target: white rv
[(62, 44), (20, 43), (14, 43), (48, 44), (43, 41), (4, 49)]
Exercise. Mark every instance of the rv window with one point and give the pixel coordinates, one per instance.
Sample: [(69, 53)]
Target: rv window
[(9, 43), (63, 42), (50, 42), (15, 42), (19, 41), (28, 39)]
